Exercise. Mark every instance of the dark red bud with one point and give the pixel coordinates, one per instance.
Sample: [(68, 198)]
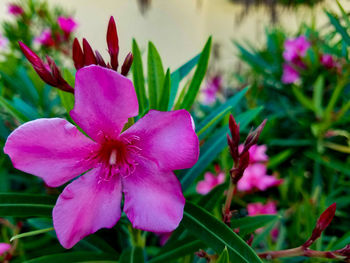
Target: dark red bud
[(60, 82), (234, 129), (253, 137), (322, 223), (127, 64), (78, 55), (89, 56), (37, 64), (113, 43), (345, 252), (250, 240), (100, 60)]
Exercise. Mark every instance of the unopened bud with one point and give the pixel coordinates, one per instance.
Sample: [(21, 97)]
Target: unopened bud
[(113, 43), (100, 60), (127, 64), (78, 55), (89, 56)]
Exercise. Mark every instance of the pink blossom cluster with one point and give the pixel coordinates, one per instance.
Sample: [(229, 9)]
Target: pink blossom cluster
[(255, 176), (210, 181), (211, 90)]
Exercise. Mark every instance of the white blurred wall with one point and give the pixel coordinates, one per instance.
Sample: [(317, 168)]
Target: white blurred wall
[(179, 28)]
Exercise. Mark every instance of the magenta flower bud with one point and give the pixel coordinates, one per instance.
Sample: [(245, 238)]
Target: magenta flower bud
[(322, 223), (89, 56), (127, 64), (15, 10), (78, 55), (100, 60), (67, 24), (113, 43)]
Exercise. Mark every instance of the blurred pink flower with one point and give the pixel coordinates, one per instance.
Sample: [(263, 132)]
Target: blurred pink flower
[(164, 237), (45, 38), (138, 162), (67, 24), (15, 10), (295, 48), (328, 61), (257, 153), (290, 75), (255, 177), (260, 209), (212, 88), (4, 247), (3, 42), (209, 182)]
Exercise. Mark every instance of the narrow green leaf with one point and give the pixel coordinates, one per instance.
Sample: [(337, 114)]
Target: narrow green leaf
[(138, 77), (279, 158), (20, 117), (132, 255), (210, 200), (32, 233), (330, 163), (164, 98), (224, 257), (198, 77), (340, 29), (249, 224), (318, 95), (76, 257), (217, 235), (67, 100), (344, 14), (305, 101), (155, 75), (214, 121), (179, 75), (24, 205), (215, 144)]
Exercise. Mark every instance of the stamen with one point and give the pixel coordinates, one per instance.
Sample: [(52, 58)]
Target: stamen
[(113, 157)]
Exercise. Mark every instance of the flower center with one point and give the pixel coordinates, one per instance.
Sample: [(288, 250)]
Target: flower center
[(117, 157)]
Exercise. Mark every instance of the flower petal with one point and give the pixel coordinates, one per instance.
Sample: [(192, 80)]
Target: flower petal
[(167, 138), (104, 100), (153, 198), (85, 206), (52, 149)]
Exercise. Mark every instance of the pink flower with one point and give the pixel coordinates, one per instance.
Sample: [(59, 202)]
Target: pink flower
[(328, 61), (257, 153), (211, 90), (45, 38), (67, 24), (210, 181), (295, 48), (3, 42), (4, 247), (255, 177), (15, 10), (261, 209), (290, 75), (137, 162)]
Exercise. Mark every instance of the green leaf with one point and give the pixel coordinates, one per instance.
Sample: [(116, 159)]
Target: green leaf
[(178, 249), (132, 255), (164, 98), (20, 117), (305, 101), (32, 233), (340, 29), (76, 257), (249, 224), (224, 257), (215, 144), (67, 100), (177, 76), (155, 75), (25, 205), (330, 163), (210, 200), (217, 235), (198, 77), (317, 96), (138, 77)]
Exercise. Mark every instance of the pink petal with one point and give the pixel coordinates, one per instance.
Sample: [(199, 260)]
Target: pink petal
[(104, 100), (52, 149), (153, 198), (85, 206), (167, 138), (290, 75), (4, 247)]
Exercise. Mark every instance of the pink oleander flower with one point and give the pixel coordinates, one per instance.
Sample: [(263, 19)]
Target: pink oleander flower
[(328, 61), (295, 48), (137, 162), (260, 209), (45, 38), (3, 42), (290, 75), (257, 153), (209, 182), (211, 90), (15, 10), (255, 177), (67, 24), (4, 247)]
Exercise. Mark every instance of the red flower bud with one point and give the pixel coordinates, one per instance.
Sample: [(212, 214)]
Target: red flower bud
[(89, 56), (253, 137), (113, 43), (127, 64), (100, 60), (322, 223), (78, 55)]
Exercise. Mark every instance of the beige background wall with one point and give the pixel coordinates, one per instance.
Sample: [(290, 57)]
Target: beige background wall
[(179, 28)]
